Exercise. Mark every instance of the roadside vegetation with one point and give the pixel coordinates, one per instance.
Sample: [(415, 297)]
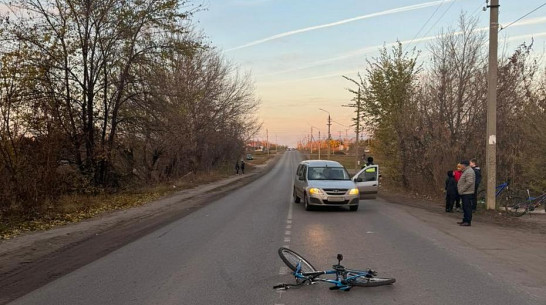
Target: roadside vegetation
[(104, 104), (427, 114)]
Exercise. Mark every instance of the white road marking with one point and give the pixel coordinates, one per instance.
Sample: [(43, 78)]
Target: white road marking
[(369, 232), (289, 221), (287, 246), (290, 209), (287, 239), (287, 232), (289, 226)]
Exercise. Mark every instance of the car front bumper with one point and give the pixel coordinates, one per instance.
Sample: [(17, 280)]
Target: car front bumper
[(328, 200)]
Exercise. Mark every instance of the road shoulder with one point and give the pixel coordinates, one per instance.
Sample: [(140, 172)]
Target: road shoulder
[(512, 247)]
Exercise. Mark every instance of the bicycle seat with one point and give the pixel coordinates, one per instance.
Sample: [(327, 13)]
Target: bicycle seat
[(338, 267)]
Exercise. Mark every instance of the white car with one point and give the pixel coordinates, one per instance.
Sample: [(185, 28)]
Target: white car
[(324, 183)]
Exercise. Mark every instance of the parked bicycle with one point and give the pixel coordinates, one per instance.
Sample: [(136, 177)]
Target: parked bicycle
[(504, 195), (520, 207), (345, 278)]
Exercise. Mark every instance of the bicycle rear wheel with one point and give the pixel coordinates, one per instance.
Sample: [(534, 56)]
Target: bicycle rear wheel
[(369, 282), (291, 259), (517, 207)]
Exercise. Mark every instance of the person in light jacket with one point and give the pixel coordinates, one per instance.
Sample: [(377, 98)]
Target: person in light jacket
[(465, 188)]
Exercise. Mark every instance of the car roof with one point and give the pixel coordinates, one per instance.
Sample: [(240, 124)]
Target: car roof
[(321, 163)]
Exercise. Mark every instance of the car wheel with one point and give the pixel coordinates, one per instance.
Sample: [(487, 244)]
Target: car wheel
[(296, 198), (353, 207), (308, 207)]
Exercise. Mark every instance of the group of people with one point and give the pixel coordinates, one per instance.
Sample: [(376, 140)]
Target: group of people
[(462, 186), (240, 167)]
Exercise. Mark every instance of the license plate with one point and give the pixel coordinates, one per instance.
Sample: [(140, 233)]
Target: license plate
[(336, 199)]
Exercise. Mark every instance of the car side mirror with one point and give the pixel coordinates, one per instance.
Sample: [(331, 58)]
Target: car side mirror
[(358, 179)]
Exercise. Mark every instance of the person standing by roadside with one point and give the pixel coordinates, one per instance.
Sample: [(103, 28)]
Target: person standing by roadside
[(457, 174), (242, 167), (237, 167), (465, 187), (451, 191), (478, 173)]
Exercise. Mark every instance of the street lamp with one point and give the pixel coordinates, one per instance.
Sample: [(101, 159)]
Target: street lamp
[(329, 135)]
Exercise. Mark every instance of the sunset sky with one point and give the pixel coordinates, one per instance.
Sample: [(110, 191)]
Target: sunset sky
[(298, 50)]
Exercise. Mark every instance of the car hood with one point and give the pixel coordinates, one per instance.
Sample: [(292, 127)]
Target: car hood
[(329, 184)]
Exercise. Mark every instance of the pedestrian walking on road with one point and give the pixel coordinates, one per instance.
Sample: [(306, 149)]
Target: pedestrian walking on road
[(451, 191), (457, 174), (465, 187), (478, 173), (242, 166), (237, 167)]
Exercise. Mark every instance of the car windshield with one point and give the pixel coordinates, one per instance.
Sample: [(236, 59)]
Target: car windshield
[(327, 173)]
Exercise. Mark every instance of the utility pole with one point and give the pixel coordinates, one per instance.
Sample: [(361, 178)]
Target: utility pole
[(311, 137), (357, 127), (491, 146), (319, 144), (267, 140), (329, 135)]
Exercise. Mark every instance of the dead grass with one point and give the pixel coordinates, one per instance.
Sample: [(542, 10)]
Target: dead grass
[(260, 158), (78, 207)]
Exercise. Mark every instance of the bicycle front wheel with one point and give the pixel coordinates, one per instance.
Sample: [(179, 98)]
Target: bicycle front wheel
[(291, 259), (370, 282)]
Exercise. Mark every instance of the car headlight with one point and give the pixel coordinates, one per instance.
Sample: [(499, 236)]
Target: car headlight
[(315, 191), (353, 192)]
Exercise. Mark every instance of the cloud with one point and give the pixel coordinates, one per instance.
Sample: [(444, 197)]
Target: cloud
[(371, 49), (332, 24)]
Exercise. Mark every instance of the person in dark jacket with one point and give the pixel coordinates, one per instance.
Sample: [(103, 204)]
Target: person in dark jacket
[(242, 166), (237, 167), (478, 173), (451, 191)]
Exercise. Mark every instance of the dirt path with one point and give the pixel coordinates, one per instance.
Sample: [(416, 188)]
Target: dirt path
[(34, 259)]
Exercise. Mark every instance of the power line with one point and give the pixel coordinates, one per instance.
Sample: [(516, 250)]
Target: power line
[(438, 20), (424, 25), (536, 9)]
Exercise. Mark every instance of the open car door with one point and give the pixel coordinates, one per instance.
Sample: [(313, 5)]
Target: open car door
[(367, 181)]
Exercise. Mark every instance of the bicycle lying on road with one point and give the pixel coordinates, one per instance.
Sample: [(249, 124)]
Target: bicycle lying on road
[(520, 207), (345, 278)]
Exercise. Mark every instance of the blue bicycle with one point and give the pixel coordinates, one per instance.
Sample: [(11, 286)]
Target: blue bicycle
[(345, 278), (503, 193)]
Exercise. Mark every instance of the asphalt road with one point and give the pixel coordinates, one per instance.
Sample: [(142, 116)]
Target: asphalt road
[(226, 253)]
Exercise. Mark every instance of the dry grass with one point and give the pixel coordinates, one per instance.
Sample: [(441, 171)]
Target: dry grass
[(260, 158), (76, 207)]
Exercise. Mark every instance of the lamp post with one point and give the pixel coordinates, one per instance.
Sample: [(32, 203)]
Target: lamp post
[(329, 135)]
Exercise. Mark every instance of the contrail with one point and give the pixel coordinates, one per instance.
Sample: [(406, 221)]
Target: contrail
[(360, 52), (327, 25)]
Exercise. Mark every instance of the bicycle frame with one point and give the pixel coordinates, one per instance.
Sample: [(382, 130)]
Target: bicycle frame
[(500, 188), (339, 282)]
